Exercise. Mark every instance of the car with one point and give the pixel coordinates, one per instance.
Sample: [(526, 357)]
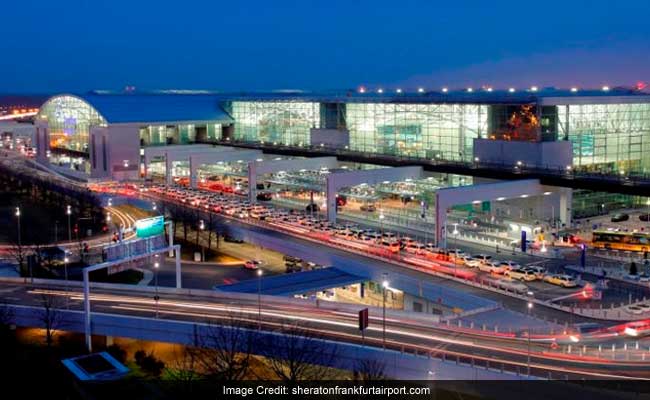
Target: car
[(484, 258), (368, 208), (252, 264), (312, 208), (565, 281), (472, 262), (644, 306), (540, 272), (644, 278), (492, 267), (522, 274), (620, 217), (392, 245), (645, 217), (510, 264), (415, 248)]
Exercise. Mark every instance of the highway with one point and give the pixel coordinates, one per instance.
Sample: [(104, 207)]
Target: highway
[(507, 351)]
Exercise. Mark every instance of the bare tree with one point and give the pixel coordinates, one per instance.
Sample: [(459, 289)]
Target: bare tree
[(298, 353), (369, 370), (223, 352), (184, 367), (50, 316)]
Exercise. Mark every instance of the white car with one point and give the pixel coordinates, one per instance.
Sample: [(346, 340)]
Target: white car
[(492, 267), (472, 262), (511, 264), (484, 258), (540, 272)]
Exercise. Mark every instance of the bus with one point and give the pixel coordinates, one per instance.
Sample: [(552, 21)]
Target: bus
[(627, 241)]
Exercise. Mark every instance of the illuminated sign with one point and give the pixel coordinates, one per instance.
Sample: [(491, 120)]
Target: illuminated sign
[(150, 227)]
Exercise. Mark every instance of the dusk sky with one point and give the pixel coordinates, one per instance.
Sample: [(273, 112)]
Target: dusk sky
[(231, 45)]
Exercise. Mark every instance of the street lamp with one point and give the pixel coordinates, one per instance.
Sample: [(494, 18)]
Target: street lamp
[(18, 219), (259, 299), (202, 228), (156, 265), (68, 211), (381, 221), (384, 285), (530, 308), (154, 207)]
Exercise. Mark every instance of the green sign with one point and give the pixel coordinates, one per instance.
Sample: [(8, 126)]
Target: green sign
[(149, 227)]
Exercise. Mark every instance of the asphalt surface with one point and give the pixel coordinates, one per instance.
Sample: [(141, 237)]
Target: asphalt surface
[(404, 334)]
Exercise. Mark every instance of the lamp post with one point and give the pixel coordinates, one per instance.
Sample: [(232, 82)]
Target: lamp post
[(381, 221), (530, 308), (202, 228), (156, 265), (68, 211), (259, 299), (66, 260), (18, 219), (384, 285)]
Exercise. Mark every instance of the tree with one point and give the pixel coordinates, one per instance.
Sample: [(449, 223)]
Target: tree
[(296, 353), (633, 268), (50, 316), (369, 370), (149, 363), (223, 352)]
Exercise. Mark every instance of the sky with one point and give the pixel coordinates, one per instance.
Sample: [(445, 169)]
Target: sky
[(75, 45)]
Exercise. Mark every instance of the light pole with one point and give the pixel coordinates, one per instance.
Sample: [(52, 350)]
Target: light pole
[(66, 260), (381, 221), (530, 308), (259, 299), (156, 265), (108, 226), (384, 285), (202, 228), (68, 211), (18, 219)]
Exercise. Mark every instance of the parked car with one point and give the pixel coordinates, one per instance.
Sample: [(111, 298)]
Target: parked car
[(565, 281), (472, 262), (522, 274), (368, 208), (645, 217), (620, 217), (492, 267), (540, 272)]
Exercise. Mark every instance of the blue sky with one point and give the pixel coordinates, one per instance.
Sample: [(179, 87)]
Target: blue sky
[(76, 45)]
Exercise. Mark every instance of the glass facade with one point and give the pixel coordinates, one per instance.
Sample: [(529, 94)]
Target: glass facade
[(436, 131), (157, 135), (69, 119), (278, 122), (608, 138)]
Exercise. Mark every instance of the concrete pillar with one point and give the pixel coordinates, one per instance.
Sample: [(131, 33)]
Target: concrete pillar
[(331, 199), (42, 141), (565, 206), (252, 182), (168, 169)]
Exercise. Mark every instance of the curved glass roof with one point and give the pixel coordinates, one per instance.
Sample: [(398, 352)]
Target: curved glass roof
[(152, 108)]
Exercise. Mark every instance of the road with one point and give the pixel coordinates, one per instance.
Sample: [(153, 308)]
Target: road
[(411, 335)]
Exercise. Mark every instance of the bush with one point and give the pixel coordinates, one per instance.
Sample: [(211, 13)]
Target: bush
[(117, 352), (149, 363)]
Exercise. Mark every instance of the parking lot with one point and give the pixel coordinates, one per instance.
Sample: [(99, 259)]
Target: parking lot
[(384, 243)]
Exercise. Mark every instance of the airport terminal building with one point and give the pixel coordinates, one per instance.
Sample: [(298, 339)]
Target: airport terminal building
[(103, 135)]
